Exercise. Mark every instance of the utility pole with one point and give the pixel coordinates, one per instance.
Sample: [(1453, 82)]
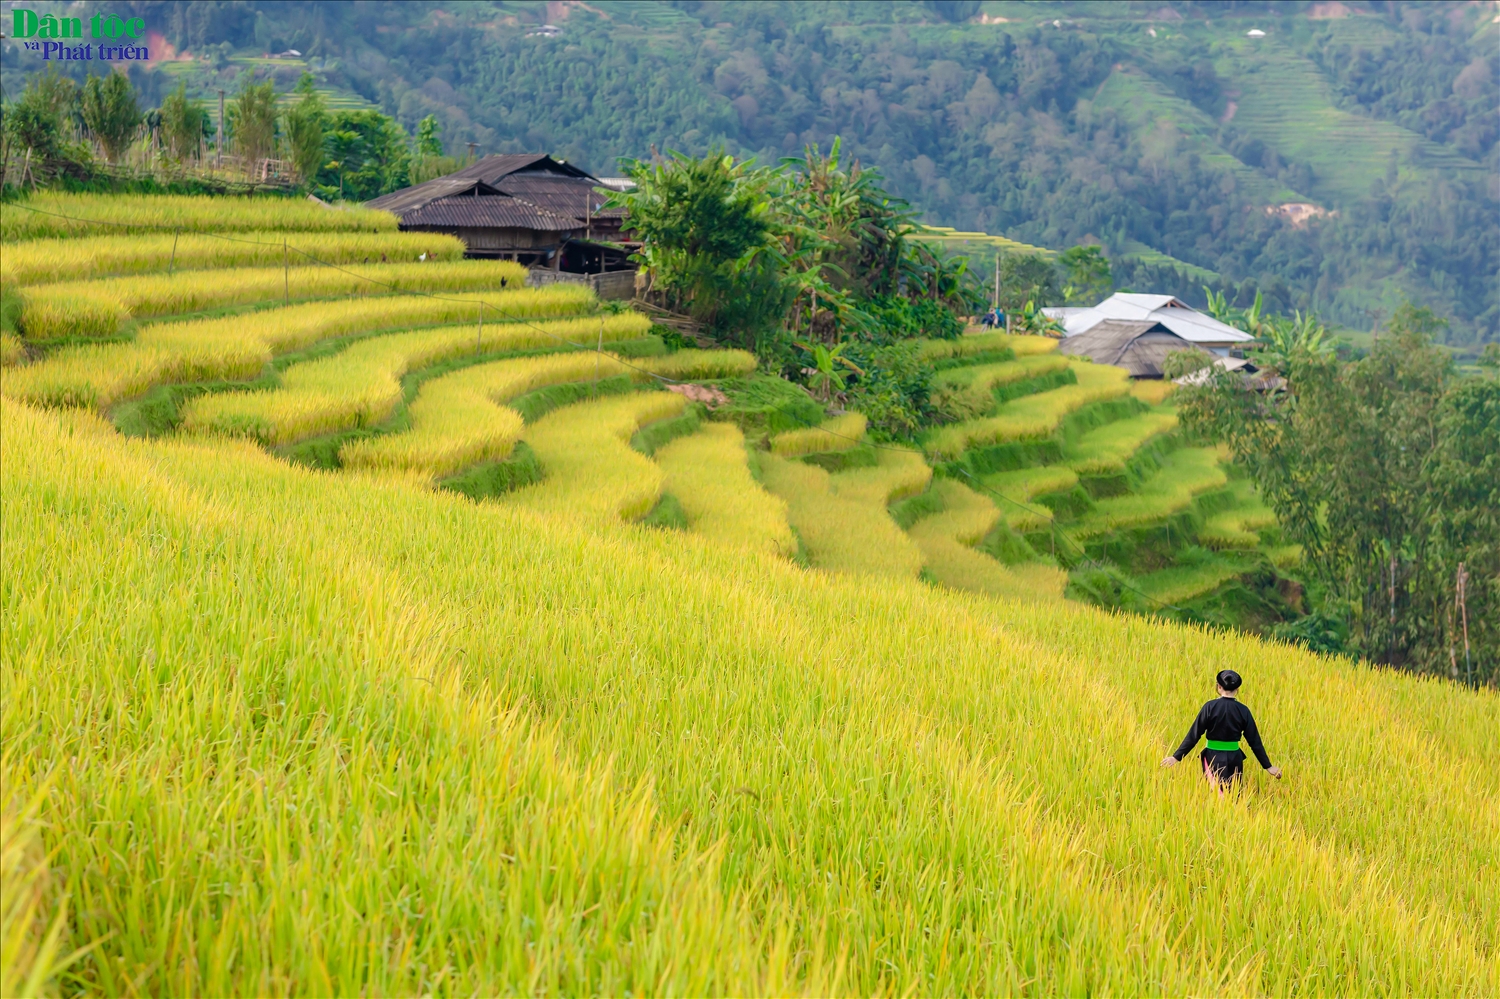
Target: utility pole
[(472, 147), (219, 149), (996, 302)]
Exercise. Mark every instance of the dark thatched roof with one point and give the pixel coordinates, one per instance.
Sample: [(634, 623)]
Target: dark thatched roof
[(1140, 347), (488, 212), (545, 183), (408, 199)]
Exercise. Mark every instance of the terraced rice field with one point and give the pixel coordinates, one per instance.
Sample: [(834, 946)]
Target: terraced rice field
[(361, 386), (1034, 416), (1285, 102), (591, 470), (947, 541), (380, 714), (841, 518), (100, 307), (52, 260), (1171, 126), (276, 730), (1106, 450), (1183, 475), (54, 215), (708, 472), (842, 433), (238, 347), (1240, 525)]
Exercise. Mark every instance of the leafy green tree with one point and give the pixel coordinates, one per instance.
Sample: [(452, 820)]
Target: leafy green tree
[(1027, 277), (182, 123), (37, 120), (303, 123), (429, 161), (893, 388), (1383, 469), (111, 112), (1089, 281), (252, 119), (1185, 362), (367, 156), (708, 242), (428, 143)]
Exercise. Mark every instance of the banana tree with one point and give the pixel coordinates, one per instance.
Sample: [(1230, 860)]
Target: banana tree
[(1035, 322), (824, 377)]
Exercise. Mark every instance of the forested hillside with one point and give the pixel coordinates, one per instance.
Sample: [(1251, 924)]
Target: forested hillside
[(1343, 161)]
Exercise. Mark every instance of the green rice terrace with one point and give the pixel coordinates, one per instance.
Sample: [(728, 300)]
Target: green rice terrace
[(1068, 481)]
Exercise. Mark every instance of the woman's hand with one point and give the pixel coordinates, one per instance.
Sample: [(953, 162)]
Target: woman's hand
[(1274, 772), (1170, 761)]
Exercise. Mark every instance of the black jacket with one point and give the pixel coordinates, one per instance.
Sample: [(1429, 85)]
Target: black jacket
[(1223, 719)]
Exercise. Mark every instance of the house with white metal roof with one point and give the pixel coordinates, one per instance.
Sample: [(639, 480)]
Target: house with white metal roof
[(1195, 327)]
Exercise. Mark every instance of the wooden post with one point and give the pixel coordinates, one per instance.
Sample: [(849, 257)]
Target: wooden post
[(997, 284), (286, 270), (479, 335), (173, 262), (1463, 604), (219, 147), (1393, 588)]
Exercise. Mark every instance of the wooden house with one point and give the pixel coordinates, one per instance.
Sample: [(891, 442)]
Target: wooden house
[(530, 208)]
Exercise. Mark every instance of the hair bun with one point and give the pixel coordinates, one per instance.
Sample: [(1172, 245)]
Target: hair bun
[(1229, 679)]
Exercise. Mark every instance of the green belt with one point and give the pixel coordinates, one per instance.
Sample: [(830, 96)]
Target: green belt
[(1223, 747)]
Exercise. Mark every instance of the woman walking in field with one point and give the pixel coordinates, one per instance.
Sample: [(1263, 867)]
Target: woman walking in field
[(1223, 720)]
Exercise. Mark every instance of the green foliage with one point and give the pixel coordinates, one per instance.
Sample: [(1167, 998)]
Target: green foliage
[(252, 121), (1030, 320), (825, 371), (953, 10), (1028, 278), (428, 143), (110, 111), (304, 123), (764, 405), (429, 161), (1185, 362), (666, 514), (36, 120), (182, 124), (900, 318), (1462, 479), (706, 241), (496, 478), (1317, 632), (425, 168), (892, 388), (655, 436), (1384, 471), (844, 236), (815, 250), (366, 156), (1089, 278)]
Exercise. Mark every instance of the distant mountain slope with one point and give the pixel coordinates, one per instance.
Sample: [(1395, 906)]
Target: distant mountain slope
[(1163, 131), (1286, 102)]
